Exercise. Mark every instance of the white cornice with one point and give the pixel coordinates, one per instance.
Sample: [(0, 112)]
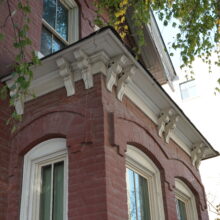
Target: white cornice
[(103, 53)]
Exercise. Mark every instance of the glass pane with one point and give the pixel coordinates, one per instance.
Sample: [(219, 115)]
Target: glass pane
[(58, 188), (138, 196), (62, 21), (131, 195), (46, 42), (188, 89), (45, 197), (49, 12), (57, 44), (144, 198), (181, 210)]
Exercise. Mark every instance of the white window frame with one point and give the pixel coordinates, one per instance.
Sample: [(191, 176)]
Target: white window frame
[(186, 83), (183, 193), (137, 161), (73, 23), (47, 152)]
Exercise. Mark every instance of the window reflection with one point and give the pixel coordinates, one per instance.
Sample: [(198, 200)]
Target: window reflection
[(138, 197), (181, 210), (62, 20), (46, 41), (49, 13), (56, 15), (49, 43)]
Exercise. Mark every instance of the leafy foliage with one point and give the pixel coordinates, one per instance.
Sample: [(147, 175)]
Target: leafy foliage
[(199, 32), (198, 23), (22, 74)]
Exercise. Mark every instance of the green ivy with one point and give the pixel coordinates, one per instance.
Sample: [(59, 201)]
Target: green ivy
[(22, 73)]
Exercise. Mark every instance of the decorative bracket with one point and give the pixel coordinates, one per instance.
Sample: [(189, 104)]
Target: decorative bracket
[(115, 68), (85, 67), (167, 123), (198, 152), (163, 120), (65, 72), (19, 100), (124, 80), (170, 126)]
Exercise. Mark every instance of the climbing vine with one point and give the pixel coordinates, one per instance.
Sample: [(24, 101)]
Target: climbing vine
[(198, 36), (22, 73)]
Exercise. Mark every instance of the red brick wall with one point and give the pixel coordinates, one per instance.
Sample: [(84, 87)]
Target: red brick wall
[(8, 52), (4, 156), (97, 128), (126, 124)]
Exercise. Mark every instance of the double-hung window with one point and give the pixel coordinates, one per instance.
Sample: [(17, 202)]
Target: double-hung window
[(59, 25), (45, 182), (138, 196), (185, 202), (51, 190), (144, 194)]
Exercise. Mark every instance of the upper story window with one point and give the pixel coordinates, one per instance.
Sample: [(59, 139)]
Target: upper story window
[(185, 202), (188, 89), (45, 185), (60, 25), (145, 200)]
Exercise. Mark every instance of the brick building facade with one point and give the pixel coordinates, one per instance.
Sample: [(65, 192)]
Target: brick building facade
[(100, 112)]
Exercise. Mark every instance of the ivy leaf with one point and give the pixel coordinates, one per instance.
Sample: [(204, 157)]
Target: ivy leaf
[(2, 36)]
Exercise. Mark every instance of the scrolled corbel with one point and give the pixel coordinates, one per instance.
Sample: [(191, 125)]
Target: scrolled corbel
[(167, 121), (65, 72), (114, 69), (85, 67), (124, 80), (197, 153), (163, 119), (170, 126)]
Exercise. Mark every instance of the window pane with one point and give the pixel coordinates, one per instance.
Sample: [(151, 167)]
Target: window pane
[(138, 197), (46, 42), (45, 198), (49, 12), (144, 198), (181, 210), (188, 89), (58, 188), (57, 44), (131, 195), (62, 21)]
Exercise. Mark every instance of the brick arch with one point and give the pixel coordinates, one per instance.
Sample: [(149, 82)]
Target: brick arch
[(49, 125), (195, 186), (134, 132), (197, 192), (63, 124)]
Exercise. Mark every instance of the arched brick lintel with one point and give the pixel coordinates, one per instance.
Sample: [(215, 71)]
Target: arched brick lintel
[(66, 124), (127, 131)]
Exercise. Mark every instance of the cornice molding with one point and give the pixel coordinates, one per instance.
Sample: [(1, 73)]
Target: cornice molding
[(104, 53)]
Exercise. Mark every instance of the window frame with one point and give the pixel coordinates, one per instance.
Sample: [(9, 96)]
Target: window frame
[(47, 152), (188, 89), (140, 163), (183, 193), (73, 23)]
